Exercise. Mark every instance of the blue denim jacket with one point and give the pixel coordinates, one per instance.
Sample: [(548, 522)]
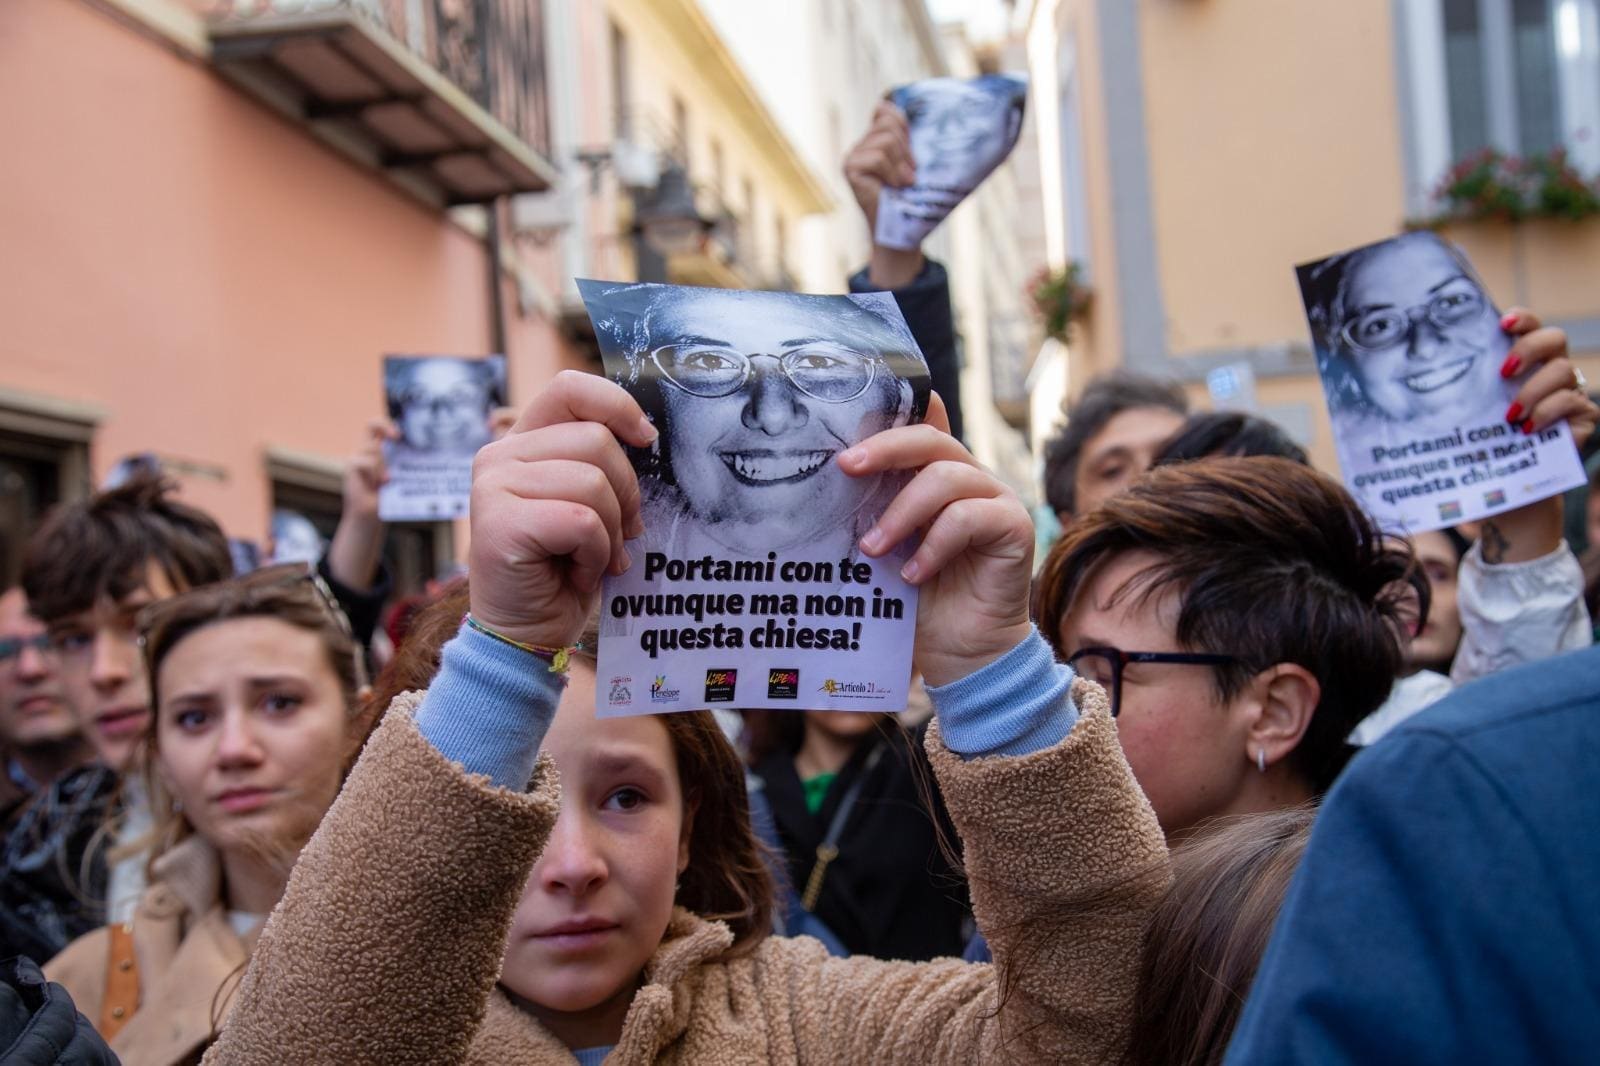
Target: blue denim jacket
[(1448, 907)]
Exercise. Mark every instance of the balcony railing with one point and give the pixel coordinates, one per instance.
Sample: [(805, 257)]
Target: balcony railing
[(449, 92)]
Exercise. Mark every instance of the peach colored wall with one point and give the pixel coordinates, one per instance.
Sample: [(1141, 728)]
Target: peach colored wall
[(1273, 139), (208, 272)]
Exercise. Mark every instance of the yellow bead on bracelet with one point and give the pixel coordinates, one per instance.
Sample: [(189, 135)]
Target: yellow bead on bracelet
[(560, 659)]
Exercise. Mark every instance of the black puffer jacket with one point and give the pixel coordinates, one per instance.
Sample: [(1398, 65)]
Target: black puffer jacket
[(39, 1026)]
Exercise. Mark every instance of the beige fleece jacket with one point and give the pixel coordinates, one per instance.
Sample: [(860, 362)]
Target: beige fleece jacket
[(387, 946), (189, 958)]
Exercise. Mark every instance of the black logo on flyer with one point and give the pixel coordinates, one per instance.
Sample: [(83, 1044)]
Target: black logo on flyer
[(720, 685), (783, 683)]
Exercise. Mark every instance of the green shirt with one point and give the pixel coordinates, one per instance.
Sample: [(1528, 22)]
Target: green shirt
[(816, 790)]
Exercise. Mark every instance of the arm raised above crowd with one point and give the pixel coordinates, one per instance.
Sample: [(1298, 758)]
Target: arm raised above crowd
[(882, 158), (1065, 862), (1521, 588), (1063, 853), (1548, 396)]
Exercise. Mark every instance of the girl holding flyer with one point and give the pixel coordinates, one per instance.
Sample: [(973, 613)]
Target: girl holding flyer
[(507, 878)]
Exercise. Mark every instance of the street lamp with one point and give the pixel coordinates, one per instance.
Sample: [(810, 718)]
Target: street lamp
[(667, 218)]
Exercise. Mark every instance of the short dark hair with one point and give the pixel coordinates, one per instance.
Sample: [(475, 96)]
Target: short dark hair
[(1274, 563), (1209, 433), (103, 546), (1103, 399)]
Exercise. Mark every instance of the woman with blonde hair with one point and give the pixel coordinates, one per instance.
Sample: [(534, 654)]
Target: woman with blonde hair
[(257, 690)]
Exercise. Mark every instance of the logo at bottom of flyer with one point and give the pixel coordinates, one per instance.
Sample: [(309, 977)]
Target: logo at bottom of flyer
[(720, 685), (853, 690), (1450, 510), (783, 683), (1494, 498), (621, 692)]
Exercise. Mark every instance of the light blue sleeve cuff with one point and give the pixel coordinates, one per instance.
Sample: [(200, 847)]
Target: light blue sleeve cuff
[(1016, 705), (489, 707)]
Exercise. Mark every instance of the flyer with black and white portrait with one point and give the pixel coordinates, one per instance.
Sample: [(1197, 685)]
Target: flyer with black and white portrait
[(1409, 348), (747, 587), (961, 129), (442, 406)]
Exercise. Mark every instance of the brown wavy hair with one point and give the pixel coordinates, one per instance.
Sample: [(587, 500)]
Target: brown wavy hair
[(288, 594), (1205, 940), (726, 879), (102, 547), (1274, 563)]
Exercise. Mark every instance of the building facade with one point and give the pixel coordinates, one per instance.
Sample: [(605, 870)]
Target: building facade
[(1192, 153), (221, 214)]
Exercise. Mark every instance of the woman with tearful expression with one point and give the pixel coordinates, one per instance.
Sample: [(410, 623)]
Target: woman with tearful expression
[(256, 689)]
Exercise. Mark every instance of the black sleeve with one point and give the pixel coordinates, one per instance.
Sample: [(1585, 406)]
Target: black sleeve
[(39, 1022), (364, 609), (926, 305)]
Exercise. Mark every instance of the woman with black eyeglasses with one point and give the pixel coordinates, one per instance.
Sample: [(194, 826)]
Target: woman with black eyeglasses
[(1243, 614), (754, 395), (257, 689)]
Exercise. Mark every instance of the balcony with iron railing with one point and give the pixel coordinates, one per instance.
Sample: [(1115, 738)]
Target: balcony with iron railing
[(447, 97)]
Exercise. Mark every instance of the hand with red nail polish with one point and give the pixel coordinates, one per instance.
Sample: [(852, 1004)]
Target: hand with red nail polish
[(1510, 367), (1514, 413)]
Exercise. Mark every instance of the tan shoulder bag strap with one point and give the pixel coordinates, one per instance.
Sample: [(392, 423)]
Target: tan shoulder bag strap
[(122, 983)]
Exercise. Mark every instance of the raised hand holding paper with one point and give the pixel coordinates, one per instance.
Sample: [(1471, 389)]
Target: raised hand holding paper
[(747, 587), (961, 129), (442, 406), (1409, 347)]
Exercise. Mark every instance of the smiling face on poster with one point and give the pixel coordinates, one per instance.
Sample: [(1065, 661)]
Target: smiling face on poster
[(442, 407), (961, 130), (1409, 348), (748, 568)]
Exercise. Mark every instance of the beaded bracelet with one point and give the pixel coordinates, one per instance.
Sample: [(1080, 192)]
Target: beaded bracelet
[(560, 659)]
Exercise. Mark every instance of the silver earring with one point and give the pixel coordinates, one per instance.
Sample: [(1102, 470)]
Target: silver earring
[(1261, 759)]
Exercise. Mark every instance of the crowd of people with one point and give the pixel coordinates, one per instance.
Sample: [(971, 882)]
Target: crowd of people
[(1132, 821)]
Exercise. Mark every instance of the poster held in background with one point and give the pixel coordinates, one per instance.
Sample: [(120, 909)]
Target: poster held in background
[(442, 406), (747, 588), (961, 129), (1409, 348)]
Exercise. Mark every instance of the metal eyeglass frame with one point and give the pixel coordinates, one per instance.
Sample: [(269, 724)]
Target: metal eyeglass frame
[(748, 363), (1119, 658)]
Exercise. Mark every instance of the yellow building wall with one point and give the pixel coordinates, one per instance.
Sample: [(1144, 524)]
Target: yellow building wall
[(663, 66)]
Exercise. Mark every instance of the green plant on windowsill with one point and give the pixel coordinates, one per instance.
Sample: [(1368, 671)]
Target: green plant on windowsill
[(1059, 298), (1495, 186)]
